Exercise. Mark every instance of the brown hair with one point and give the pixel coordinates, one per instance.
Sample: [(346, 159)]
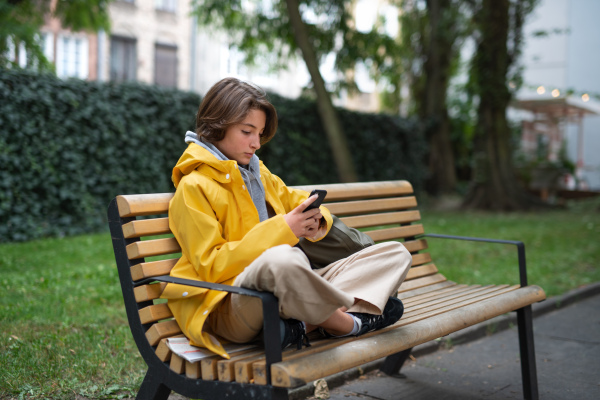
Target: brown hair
[(227, 103)]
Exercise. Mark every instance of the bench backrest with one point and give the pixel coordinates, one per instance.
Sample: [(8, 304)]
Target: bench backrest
[(146, 248)]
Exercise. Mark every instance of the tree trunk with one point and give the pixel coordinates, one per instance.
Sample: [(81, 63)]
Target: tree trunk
[(433, 109), (494, 185), (331, 123)]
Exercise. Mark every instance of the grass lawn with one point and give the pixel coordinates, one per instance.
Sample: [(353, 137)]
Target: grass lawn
[(64, 333), (63, 328)]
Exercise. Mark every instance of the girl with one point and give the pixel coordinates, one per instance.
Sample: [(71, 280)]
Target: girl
[(237, 224)]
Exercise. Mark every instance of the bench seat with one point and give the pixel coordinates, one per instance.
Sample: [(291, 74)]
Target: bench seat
[(434, 306)]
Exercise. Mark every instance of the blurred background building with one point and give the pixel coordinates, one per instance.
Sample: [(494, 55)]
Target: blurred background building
[(561, 91), (158, 42)]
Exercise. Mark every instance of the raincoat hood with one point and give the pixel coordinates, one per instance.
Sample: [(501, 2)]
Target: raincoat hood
[(194, 157)]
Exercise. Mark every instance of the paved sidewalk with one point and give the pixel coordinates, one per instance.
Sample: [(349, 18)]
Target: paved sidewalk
[(567, 344)]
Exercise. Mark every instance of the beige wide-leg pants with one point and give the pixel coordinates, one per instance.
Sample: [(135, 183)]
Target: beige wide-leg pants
[(362, 282)]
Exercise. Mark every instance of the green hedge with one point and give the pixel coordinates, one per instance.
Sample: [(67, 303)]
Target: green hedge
[(68, 146)]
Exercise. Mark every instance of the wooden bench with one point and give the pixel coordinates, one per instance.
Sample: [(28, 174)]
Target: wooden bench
[(434, 307)]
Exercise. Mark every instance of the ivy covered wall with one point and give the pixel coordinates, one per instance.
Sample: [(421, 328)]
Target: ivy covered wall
[(69, 146)]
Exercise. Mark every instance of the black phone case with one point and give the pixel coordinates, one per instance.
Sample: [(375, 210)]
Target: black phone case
[(317, 203)]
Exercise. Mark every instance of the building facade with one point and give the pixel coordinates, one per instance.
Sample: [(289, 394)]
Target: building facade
[(149, 42), (561, 58), (158, 42)]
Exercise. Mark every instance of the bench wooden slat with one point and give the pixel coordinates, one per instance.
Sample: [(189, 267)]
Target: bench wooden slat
[(415, 245), (177, 364), (155, 313), (208, 366), (396, 233), (152, 268), (161, 330), (348, 355), (163, 352), (418, 272), (407, 294), (192, 370), (437, 293), (421, 282), (362, 190), (400, 217), (146, 227), (420, 259), (150, 248), (371, 206), (148, 292), (134, 205)]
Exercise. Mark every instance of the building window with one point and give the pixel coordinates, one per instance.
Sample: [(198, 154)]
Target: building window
[(165, 65), (166, 5), (72, 56), (123, 59)]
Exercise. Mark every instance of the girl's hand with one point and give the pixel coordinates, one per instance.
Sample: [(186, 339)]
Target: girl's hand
[(304, 224)]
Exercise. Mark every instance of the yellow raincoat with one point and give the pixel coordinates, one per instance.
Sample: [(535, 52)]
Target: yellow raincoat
[(217, 226)]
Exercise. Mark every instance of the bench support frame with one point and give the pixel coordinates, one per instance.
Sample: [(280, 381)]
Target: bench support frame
[(393, 364), (528, 365)]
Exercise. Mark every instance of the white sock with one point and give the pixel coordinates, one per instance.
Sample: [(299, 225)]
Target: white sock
[(355, 329), (357, 325)]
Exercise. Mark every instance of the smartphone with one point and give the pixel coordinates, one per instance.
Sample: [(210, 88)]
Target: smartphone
[(318, 201)]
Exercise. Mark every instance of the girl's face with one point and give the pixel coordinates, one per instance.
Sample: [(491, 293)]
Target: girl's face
[(242, 140)]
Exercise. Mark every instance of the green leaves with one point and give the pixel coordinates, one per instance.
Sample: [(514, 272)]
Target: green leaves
[(82, 15)]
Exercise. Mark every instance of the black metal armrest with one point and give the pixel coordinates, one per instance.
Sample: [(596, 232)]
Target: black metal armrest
[(520, 250), (201, 284), (271, 333)]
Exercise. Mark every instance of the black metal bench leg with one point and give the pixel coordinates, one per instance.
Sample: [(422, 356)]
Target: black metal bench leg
[(393, 364), (153, 389), (528, 366)]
